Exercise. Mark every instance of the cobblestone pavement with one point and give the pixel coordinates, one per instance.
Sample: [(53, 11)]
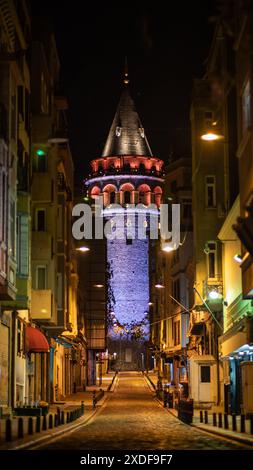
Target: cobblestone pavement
[(131, 419)]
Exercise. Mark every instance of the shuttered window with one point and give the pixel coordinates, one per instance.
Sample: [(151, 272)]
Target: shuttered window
[(23, 245)]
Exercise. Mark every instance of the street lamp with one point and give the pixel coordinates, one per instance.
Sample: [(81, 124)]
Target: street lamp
[(211, 133), (83, 249)]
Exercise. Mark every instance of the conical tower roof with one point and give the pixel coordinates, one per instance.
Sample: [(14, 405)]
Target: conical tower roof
[(126, 136)]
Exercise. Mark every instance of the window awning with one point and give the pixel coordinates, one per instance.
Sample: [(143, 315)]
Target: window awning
[(36, 340)]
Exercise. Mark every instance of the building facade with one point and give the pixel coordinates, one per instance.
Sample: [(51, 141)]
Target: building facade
[(172, 284), (15, 274), (54, 306), (236, 344), (214, 182)]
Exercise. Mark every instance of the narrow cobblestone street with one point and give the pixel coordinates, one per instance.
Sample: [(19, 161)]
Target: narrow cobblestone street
[(133, 419)]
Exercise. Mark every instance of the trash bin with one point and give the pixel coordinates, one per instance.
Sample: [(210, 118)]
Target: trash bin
[(185, 410)]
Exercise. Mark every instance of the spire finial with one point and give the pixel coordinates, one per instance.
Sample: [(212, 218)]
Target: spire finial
[(126, 78)]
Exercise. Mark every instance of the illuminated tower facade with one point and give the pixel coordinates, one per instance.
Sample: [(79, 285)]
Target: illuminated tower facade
[(127, 174)]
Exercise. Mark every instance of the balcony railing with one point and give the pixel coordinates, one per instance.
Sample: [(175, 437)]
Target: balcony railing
[(126, 171), (213, 289)]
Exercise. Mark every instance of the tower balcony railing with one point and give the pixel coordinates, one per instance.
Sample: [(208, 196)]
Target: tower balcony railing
[(126, 171)]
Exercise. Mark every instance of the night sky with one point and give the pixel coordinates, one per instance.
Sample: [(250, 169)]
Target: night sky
[(166, 49)]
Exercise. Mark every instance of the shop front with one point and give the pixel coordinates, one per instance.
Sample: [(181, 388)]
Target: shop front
[(236, 351)]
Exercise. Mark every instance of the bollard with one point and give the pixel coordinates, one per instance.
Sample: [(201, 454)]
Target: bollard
[(38, 423), (62, 418), (242, 423), (56, 420), (30, 426), (82, 407), (20, 428), (220, 420), (206, 417), (201, 416), (251, 424), (233, 422), (44, 423), (8, 430), (225, 421), (214, 419), (59, 414)]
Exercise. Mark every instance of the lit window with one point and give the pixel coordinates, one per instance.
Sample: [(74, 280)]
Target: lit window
[(210, 193), (246, 114)]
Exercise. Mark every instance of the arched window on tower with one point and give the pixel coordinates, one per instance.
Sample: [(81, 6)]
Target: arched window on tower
[(109, 192), (126, 191), (158, 195), (127, 197), (112, 197), (144, 194)]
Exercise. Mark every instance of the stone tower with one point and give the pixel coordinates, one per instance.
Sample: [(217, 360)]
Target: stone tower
[(127, 174)]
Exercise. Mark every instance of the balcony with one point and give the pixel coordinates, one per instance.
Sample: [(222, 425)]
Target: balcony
[(126, 170), (41, 304), (213, 290)]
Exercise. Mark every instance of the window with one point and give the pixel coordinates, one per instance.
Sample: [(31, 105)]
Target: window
[(41, 220), (127, 197), (41, 272), (23, 245), (246, 114), (176, 332), (142, 198), (210, 191), (112, 197), (12, 228), (20, 331), (211, 259), (176, 290), (205, 374)]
